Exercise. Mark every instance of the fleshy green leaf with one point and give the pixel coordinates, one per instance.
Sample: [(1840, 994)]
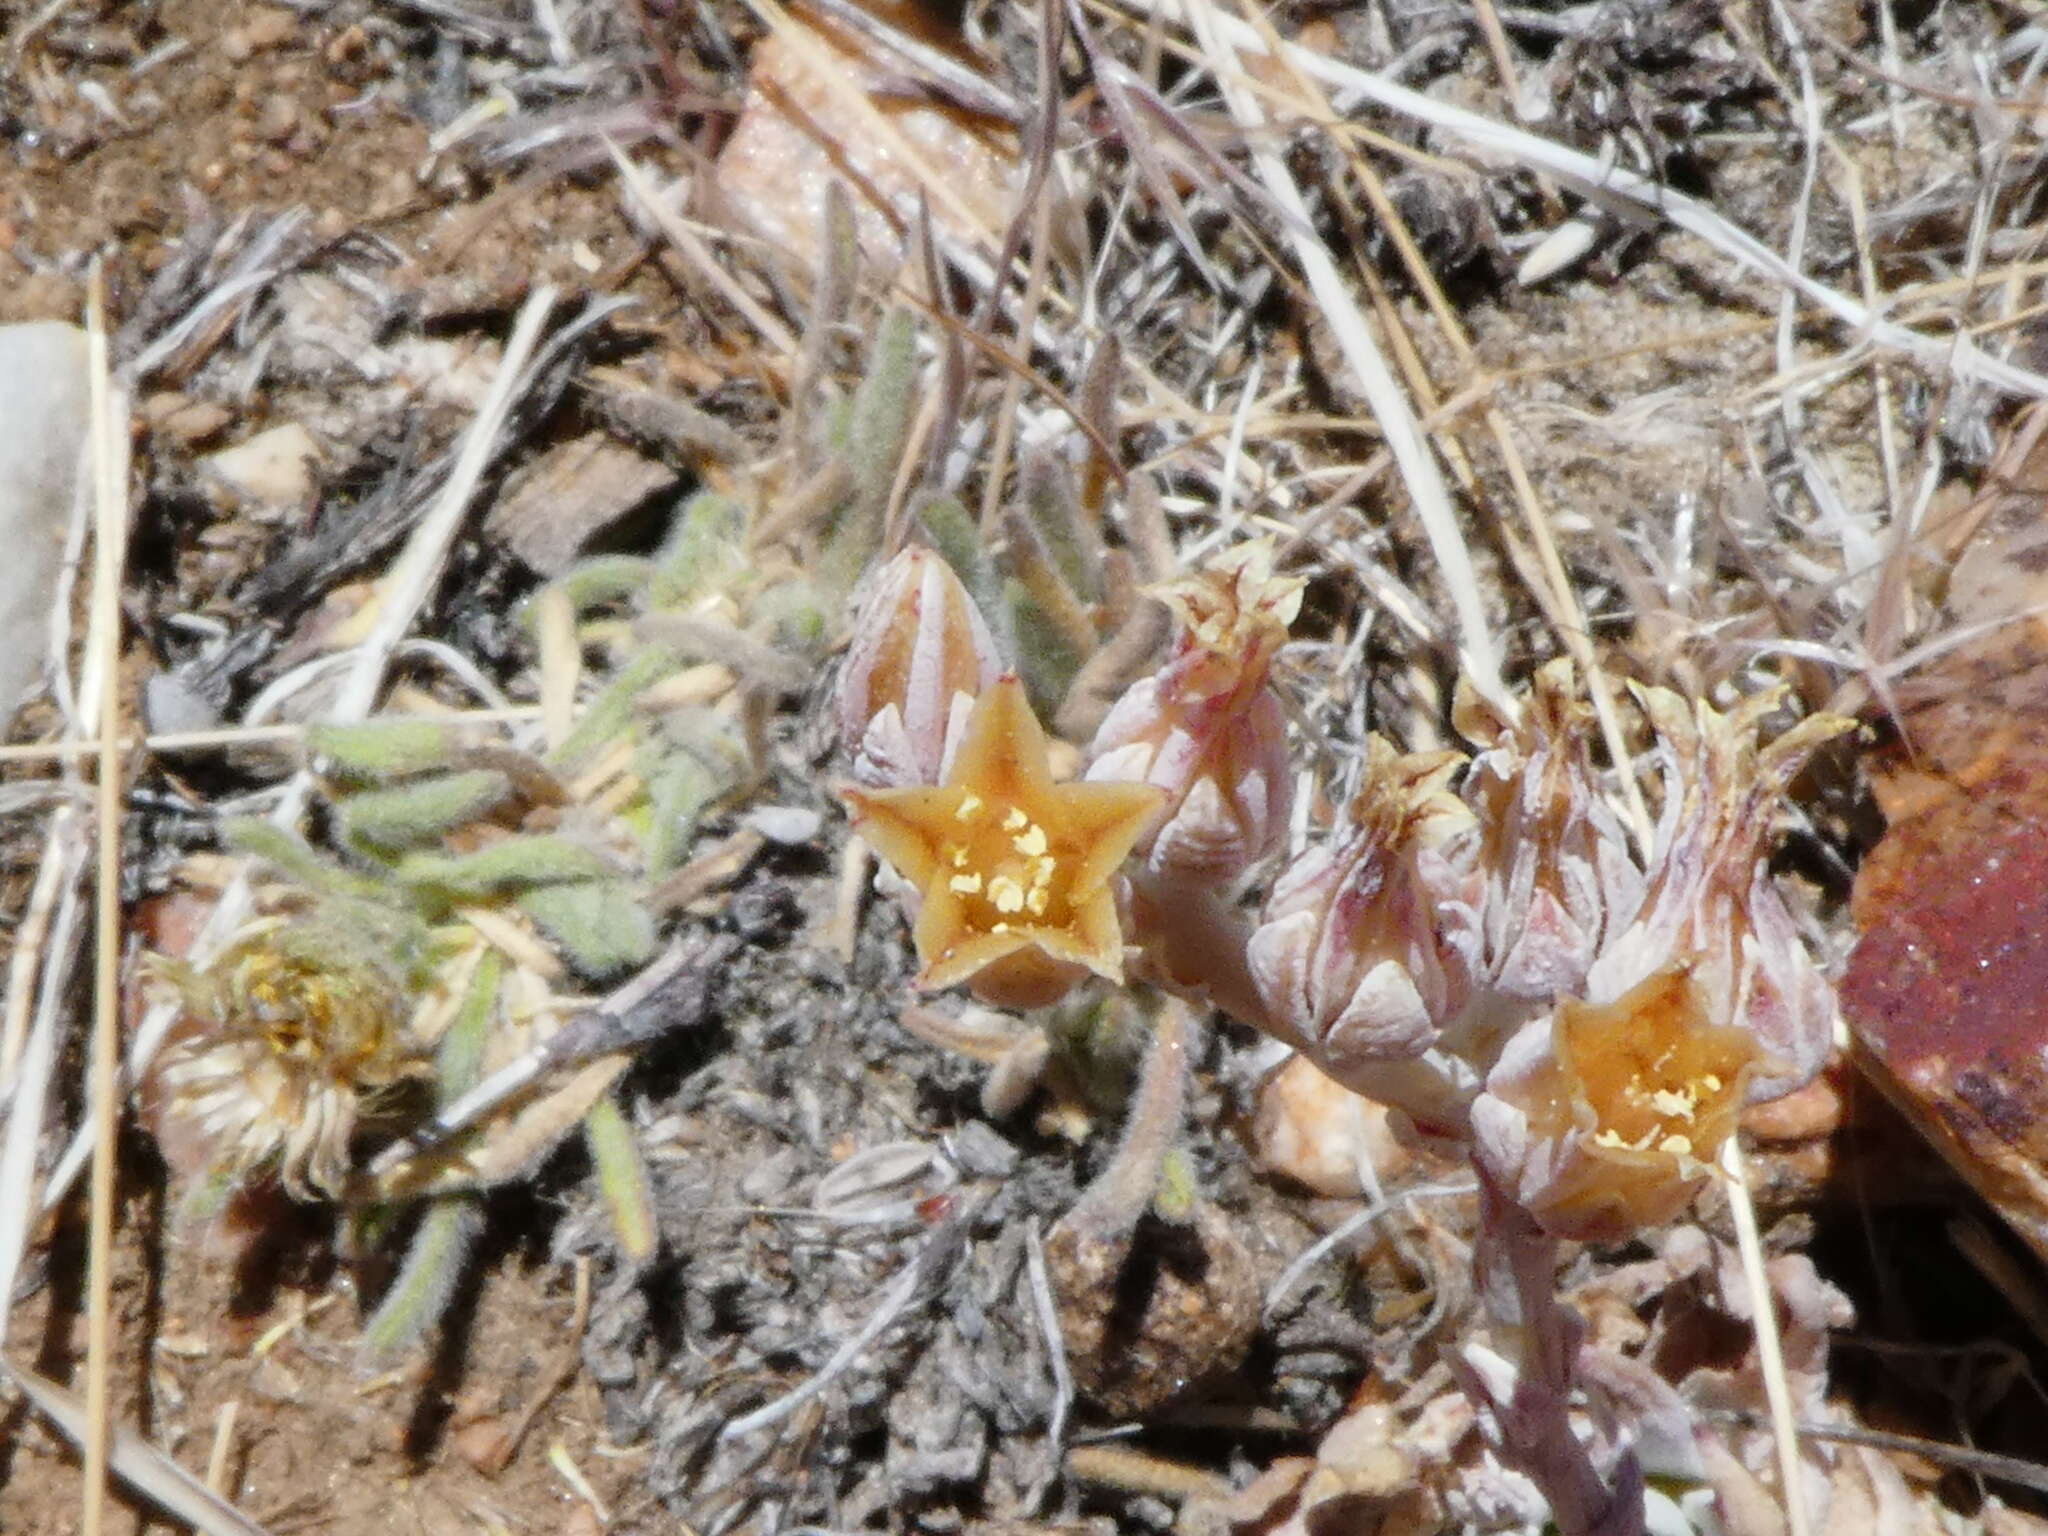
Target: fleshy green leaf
[(610, 713), (295, 859), (1050, 501), (680, 785), (542, 858), (417, 812), (1046, 659), (426, 1280), (870, 436), (384, 749), (598, 582), (705, 552), (621, 1174), (793, 615), (600, 927), (459, 1058)]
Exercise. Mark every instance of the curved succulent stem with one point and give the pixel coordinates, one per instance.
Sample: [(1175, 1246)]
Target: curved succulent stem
[(1526, 1386)]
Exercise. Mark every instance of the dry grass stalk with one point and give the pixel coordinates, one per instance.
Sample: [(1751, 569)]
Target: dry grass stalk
[(1478, 650), (1604, 182), (135, 1461), (226, 736), (1770, 1349), (110, 543), (1554, 590), (694, 251)]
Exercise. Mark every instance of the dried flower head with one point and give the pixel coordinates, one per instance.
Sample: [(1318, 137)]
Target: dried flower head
[(1010, 873), (1710, 903), (920, 655), (1607, 1119), (285, 1036), (1348, 956), (1207, 727)]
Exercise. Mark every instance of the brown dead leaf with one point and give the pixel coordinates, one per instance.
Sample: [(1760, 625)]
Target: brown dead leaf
[(797, 134), (571, 493)]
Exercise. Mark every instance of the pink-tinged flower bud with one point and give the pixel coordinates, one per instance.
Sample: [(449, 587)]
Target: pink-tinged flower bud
[(1207, 728), (1349, 959), (1607, 1118), (1710, 904), (1558, 872), (920, 655)]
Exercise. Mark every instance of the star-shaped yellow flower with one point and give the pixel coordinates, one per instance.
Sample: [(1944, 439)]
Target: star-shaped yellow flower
[(1013, 870)]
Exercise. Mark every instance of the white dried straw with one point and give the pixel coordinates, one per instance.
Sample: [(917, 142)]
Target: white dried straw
[(1478, 653), (136, 1462), (1770, 1349)]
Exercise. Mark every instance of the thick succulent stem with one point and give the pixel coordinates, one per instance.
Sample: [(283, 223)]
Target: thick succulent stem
[(1530, 1402), (1111, 1207), (1195, 947)]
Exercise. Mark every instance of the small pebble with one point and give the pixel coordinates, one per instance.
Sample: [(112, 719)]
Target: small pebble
[(279, 119), (182, 419), (485, 1444), (272, 469), (264, 30), (1310, 1130), (981, 1152), (1805, 1114), (790, 825)]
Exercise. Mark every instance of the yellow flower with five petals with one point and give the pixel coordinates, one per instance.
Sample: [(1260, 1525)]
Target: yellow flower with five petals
[(1014, 871)]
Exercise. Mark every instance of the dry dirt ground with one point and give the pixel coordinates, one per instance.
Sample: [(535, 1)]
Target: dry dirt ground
[(1643, 387)]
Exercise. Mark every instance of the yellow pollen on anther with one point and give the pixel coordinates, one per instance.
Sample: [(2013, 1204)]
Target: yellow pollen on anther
[(1034, 901), (957, 856), (1677, 1146), (964, 885), (969, 807), (1711, 1083), (1015, 820), (1609, 1138), (1006, 893), (1680, 1105), (1031, 842)]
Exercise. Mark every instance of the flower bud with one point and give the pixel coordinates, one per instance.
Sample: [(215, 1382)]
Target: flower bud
[(920, 655), (1207, 727), (1348, 956), (1558, 872)]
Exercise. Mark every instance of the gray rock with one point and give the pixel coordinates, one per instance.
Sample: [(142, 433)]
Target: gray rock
[(44, 409)]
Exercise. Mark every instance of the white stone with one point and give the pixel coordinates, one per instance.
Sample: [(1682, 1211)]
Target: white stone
[(790, 825), (272, 469), (44, 413)]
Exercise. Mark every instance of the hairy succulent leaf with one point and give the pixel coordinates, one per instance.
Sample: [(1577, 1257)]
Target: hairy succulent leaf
[(372, 750), (601, 927), (406, 815), (544, 858)]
